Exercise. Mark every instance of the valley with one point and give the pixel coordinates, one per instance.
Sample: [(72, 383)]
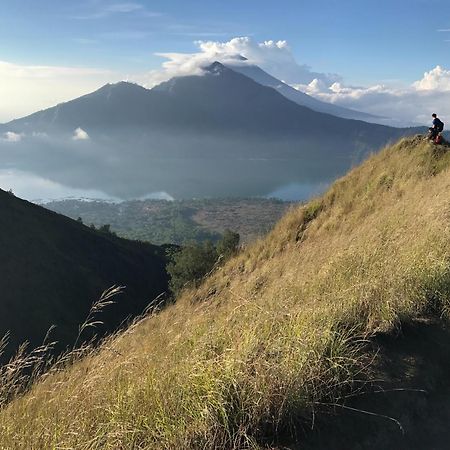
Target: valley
[(178, 222)]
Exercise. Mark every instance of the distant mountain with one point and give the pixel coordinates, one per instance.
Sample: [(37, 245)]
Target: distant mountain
[(260, 76), (195, 136), (112, 105), (52, 268), (222, 101)]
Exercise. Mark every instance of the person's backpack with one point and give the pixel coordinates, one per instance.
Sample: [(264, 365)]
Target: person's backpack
[(440, 126)]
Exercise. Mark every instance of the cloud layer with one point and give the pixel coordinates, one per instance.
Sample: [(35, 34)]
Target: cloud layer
[(411, 104)]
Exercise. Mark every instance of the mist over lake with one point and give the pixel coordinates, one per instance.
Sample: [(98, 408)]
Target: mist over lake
[(179, 167)]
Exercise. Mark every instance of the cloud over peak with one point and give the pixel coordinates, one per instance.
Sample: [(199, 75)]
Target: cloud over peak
[(409, 104), (275, 57)]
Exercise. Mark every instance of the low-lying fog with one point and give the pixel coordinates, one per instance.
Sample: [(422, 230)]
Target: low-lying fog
[(180, 167)]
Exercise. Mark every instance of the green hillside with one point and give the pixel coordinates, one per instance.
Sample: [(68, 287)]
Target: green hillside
[(52, 268), (338, 314)]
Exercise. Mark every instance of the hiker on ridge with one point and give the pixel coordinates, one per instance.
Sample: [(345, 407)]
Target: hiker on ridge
[(438, 127)]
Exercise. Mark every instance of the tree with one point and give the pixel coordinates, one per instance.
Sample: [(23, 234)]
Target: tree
[(189, 266), (228, 245), (105, 228)]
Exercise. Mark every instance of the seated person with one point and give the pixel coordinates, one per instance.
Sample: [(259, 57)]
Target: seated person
[(438, 127)]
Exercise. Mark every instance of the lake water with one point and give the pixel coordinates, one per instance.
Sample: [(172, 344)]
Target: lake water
[(36, 188)]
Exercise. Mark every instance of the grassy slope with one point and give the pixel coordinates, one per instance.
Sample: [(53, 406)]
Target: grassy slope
[(281, 329), (52, 269)]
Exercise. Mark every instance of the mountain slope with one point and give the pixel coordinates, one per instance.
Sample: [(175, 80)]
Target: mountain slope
[(262, 77), (221, 101), (217, 135), (283, 334), (52, 268)]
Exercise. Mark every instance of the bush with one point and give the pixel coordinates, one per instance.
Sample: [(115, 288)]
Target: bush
[(228, 245), (191, 264)]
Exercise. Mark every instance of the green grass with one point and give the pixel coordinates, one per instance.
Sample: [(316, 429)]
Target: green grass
[(250, 357)]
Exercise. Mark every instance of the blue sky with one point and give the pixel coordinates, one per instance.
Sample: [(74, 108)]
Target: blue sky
[(364, 42)]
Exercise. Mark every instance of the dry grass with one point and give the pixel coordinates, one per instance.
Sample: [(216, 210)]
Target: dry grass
[(277, 331)]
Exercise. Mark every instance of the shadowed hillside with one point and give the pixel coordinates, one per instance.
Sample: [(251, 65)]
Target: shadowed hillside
[(52, 268), (329, 306)]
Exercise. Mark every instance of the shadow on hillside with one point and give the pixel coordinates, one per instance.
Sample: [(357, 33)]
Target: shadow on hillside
[(417, 360)]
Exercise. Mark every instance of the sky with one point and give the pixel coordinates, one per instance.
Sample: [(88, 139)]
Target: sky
[(384, 57)]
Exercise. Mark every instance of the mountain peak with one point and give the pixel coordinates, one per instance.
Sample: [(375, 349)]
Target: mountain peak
[(121, 86), (215, 68)]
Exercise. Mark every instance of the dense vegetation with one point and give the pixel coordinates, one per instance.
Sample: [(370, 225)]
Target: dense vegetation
[(53, 268), (191, 263), (178, 222), (288, 329)]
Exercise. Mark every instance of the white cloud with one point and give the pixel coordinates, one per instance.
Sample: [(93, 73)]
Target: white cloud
[(411, 104), (80, 135), (275, 57), (25, 89), (10, 136), (436, 79)]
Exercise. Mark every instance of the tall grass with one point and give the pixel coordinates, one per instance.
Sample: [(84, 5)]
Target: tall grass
[(267, 339)]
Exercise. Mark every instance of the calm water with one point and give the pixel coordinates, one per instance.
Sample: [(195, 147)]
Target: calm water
[(49, 169)]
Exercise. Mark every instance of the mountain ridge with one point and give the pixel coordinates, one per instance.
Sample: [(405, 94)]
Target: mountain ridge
[(265, 79), (156, 107)]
